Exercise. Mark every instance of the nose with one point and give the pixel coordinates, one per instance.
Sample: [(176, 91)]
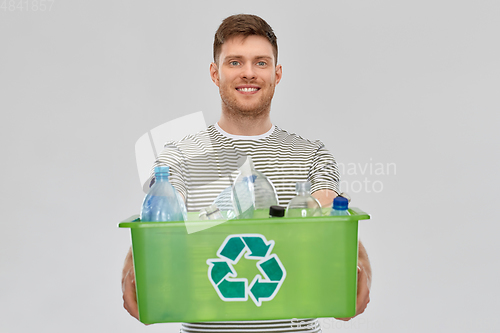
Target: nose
[(247, 72)]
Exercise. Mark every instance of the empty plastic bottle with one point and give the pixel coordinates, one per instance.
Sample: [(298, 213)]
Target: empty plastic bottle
[(182, 204), (340, 206), (211, 212), (162, 203), (225, 203), (304, 204), (251, 192)]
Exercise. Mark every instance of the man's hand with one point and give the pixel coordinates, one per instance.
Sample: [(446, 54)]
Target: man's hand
[(128, 287), (364, 282), (325, 197)]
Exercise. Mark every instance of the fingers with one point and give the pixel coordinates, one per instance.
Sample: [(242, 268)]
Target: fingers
[(129, 294), (363, 297), (363, 294)]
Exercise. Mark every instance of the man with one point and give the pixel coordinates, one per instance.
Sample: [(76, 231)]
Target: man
[(202, 165)]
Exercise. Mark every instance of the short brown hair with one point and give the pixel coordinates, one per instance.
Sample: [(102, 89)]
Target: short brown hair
[(244, 25)]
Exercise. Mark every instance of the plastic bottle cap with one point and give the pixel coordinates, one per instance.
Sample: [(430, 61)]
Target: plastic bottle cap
[(277, 211), (340, 203), (212, 209), (203, 214)]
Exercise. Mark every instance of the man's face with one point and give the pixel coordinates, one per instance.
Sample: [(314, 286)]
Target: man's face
[(246, 75)]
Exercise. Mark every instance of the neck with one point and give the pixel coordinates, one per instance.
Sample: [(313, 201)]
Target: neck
[(247, 126)]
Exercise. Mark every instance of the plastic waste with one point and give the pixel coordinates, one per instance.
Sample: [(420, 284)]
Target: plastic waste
[(252, 192), (225, 203), (163, 202), (340, 206), (211, 212), (304, 204), (182, 204)]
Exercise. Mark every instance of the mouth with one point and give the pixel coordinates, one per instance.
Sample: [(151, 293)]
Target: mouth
[(247, 89)]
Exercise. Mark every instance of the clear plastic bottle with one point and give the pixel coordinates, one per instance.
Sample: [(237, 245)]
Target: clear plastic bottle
[(225, 203), (211, 212), (180, 199), (304, 204), (251, 192), (340, 206), (162, 203)]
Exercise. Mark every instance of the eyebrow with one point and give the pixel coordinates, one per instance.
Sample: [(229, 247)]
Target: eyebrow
[(241, 57)]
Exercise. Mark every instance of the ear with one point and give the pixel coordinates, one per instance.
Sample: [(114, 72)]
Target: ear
[(214, 73), (279, 73)]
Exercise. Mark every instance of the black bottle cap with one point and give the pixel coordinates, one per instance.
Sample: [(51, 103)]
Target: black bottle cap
[(277, 211)]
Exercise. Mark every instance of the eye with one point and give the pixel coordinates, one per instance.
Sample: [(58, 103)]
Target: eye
[(234, 63), (262, 63)]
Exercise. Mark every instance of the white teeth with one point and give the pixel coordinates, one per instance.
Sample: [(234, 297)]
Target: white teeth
[(247, 89)]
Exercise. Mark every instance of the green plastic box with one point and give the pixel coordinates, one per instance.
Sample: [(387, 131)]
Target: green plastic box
[(256, 269)]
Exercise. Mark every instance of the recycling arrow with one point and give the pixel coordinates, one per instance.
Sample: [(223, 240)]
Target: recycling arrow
[(262, 290), (224, 278), (271, 268), (257, 246), (233, 249), (219, 270), (233, 289)]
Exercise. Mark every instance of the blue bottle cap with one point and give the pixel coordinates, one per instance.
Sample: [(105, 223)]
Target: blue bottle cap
[(340, 203)]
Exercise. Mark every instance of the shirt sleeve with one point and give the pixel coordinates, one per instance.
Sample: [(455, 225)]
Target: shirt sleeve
[(324, 173), (172, 157)]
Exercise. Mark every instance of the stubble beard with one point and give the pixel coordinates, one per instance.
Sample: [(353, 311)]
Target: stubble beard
[(232, 108)]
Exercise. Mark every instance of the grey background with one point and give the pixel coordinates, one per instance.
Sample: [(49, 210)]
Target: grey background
[(413, 85)]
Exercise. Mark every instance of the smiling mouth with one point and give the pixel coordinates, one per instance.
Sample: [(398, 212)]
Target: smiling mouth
[(247, 89)]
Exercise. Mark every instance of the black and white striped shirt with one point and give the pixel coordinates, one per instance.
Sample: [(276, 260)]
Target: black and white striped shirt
[(204, 164)]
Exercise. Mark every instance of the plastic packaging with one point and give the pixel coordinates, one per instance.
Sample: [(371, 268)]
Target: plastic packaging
[(211, 212), (304, 204), (252, 192), (225, 203), (180, 199), (340, 206), (162, 203)]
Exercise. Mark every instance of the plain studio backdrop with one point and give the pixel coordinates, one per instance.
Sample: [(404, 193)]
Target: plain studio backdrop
[(405, 95)]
